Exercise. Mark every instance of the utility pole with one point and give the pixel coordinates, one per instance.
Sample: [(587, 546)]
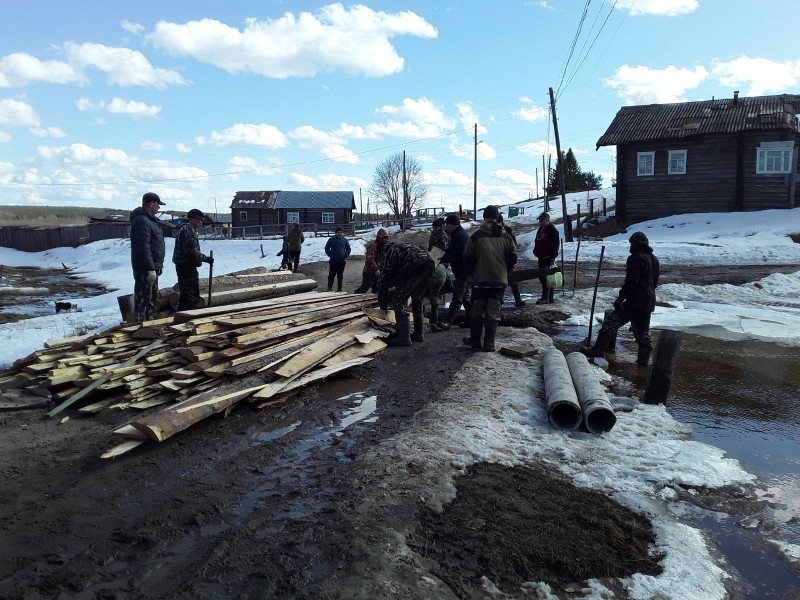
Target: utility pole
[(560, 168), (536, 179), (475, 179), (361, 203), (405, 194), (545, 176)]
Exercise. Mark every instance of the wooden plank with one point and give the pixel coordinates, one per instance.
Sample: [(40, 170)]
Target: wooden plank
[(294, 330), (316, 352), (85, 391), (356, 351), (129, 431), (518, 351), (78, 339), (188, 315), (306, 309), (122, 448), (318, 375)]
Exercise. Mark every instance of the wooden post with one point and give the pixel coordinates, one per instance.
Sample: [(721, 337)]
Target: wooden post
[(560, 162), (667, 348), (210, 276), (594, 295)]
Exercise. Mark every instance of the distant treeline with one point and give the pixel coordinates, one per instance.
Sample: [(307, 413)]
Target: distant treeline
[(45, 216)]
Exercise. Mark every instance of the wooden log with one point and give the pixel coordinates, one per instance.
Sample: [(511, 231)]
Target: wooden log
[(189, 315), (666, 354), (526, 274)]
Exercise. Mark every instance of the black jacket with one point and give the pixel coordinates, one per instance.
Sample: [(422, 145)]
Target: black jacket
[(454, 255), (147, 241), (642, 271)]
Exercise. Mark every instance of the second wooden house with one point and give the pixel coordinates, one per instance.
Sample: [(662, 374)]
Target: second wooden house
[(728, 155), (314, 211)]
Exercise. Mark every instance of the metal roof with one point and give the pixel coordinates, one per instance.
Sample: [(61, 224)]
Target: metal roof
[(685, 119), (290, 200)]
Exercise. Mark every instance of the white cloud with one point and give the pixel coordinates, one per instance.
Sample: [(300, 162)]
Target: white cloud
[(667, 8), (134, 28), (246, 134), (48, 132), (238, 165), (150, 145), (466, 149), (183, 148), (515, 176), (122, 66), (119, 106), (325, 181), (446, 177), (762, 75), (414, 119), (20, 69), (15, 113), (5, 137), (643, 85), (530, 111), (537, 149), (355, 40), (328, 144), (469, 118)]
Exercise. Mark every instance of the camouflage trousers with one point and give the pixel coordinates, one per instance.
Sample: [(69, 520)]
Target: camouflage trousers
[(188, 287), (415, 286), (145, 293), (486, 303)]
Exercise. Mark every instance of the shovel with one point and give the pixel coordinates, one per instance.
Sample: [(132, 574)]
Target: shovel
[(211, 275), (588, 341)]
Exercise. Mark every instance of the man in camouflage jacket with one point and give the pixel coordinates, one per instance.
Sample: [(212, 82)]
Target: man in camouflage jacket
[(406, 272), (187, 257)]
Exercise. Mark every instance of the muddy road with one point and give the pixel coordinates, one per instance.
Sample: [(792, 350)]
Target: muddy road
[(303, 500)]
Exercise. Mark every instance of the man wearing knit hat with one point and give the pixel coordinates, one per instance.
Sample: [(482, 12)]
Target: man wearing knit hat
[(635, 303), (147, 256)]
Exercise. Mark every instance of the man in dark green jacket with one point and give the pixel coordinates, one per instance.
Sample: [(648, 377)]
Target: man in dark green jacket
[(489, 256)]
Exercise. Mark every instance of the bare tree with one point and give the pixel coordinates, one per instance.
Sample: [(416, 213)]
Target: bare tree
[(398, 184)]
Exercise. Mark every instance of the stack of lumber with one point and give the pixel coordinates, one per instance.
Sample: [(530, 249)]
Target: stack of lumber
[(201, 362)]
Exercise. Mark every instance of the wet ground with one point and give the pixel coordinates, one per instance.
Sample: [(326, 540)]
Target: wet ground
[(298, 501)]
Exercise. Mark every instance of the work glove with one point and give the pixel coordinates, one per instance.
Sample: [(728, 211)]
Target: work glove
[(151, 278), (618, 303), (209, 260)]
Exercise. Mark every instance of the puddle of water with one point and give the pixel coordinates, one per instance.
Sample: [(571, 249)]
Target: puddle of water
[(741, 397), (361, 411), (276, 430)]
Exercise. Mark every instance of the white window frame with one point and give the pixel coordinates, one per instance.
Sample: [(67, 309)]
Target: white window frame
[(243, 216), (328, 218), (640, 156), (677, 162), (292, 217), (774, 158)]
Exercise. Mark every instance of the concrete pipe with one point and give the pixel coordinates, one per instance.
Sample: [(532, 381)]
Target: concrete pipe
[(598, 415), (563, 408)]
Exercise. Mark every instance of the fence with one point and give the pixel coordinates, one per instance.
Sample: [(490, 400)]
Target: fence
[(28, 239)]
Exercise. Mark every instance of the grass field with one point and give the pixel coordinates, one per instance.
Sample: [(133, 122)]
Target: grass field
[(49, 216)]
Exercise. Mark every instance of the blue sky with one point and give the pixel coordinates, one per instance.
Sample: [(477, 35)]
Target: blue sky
[(102, 101)]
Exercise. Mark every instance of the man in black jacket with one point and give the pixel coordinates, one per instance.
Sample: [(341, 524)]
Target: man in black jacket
[(187, 257), (454, 256), (147, 256), (635, 303)]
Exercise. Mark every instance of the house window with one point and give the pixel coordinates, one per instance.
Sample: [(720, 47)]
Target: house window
[(644, 163), (774, 157), (677, 162), (328, 217), (243, 216), (292, 217)]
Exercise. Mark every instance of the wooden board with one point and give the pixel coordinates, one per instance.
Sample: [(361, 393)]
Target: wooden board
[(517, 351)]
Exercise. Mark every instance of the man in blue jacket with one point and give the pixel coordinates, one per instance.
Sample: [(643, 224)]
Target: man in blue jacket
[(454, 256), (337, 249), (147, 256)]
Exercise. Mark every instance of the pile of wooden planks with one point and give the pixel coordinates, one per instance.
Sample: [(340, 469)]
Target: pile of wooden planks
[(201, 362)]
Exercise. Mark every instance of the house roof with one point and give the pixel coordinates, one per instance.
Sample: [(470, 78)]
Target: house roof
[(289, 200), (686, 119)]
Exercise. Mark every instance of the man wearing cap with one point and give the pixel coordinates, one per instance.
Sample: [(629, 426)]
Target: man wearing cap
[(187, 257), (438, 241), (338, 249), (147, 256), (372, 265), (454, 256), (635, 303), (489, 256), (545, 248)]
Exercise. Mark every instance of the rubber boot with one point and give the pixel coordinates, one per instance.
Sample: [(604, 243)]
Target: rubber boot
[(518, 301), (475, 330), (467, 320), (545, 299), (452, 312), (489, 335), (643, 356), (418, 335), (551, 294), (600, 345), (402, 337), (436, 325)]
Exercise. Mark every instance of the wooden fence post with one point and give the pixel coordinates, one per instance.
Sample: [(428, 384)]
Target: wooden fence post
[(667, 348)]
